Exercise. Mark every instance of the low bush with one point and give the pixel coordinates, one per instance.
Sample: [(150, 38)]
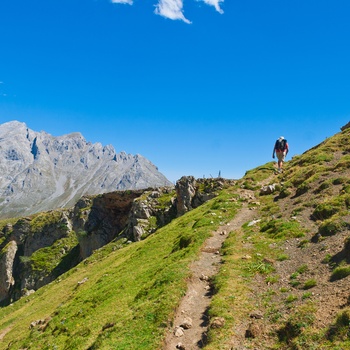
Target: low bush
[(340, 272), (283, 229), (310, 284), (330, 227), (301, 189), (340, 329), (328, 208), (297, 322)]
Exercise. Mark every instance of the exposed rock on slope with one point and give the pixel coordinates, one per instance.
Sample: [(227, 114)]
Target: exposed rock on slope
[(35, 250), (42, 172)]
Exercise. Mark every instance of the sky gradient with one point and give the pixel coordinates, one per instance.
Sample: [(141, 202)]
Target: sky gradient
[(197, 87)]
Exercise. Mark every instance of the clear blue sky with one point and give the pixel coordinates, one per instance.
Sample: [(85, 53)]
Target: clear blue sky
[(197, 87)]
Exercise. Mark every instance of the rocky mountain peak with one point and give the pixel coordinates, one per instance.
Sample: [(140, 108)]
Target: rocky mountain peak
[(42, 172)]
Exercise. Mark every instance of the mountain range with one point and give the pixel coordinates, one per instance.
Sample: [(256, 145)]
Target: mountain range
[(41, 172)]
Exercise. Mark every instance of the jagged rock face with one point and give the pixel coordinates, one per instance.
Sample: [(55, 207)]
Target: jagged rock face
[(6, 269), (191, 192), (147, 214), (186, 190), (98, 221), (41, 172)]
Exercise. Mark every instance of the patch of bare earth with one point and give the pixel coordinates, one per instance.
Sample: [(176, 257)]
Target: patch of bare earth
[(4, 332), (191, 322)]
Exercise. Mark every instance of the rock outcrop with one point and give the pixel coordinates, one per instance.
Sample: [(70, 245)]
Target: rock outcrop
[(40, 172), (6, 268), (191, 192)]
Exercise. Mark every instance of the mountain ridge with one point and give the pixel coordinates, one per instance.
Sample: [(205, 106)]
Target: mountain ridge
[(43, 172)]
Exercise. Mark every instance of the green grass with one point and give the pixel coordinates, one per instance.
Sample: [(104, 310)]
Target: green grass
[(45, 219), (309, 284), (118, 299), (281, 229), (331, 226), (164, 201), (297, 322), (291, 298), (340, 272)]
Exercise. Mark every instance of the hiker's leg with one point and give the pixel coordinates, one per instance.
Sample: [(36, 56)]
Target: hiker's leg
[(280, 159)]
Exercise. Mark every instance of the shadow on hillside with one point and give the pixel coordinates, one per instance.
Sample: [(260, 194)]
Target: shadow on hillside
[(71, 260), (343, 255), (205, 324)]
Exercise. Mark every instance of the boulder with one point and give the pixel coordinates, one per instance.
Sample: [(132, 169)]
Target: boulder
[(269, 189)]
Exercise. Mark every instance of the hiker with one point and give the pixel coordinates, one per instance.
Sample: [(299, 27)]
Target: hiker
[(281, 148)]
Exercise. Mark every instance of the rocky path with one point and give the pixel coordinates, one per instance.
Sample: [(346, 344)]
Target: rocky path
[(191, 321)]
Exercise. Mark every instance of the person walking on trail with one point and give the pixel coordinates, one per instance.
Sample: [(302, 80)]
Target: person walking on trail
[(281, 149)]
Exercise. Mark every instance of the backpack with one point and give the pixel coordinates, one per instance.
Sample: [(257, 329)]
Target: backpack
[(281, 144)]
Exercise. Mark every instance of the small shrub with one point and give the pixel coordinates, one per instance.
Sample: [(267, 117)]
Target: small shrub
[(294, 283), (309, 284), (250, 185), (285, 192), (303, 175), (291, 298), (302, 318), (272, 279), (330, 227), (294, 275), (323, 187), (301, 189), (327, 259), (297, 211), (340, 272), (344, 163), (303, 243), (339, 180), (282, 257), (302, 269), (340, 329), (346, 189), (347, 200), (183, 242), (261, 267), (306, 295), (324, 211)]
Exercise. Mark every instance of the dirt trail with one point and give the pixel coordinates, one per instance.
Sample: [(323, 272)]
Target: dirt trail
[(194, 306)]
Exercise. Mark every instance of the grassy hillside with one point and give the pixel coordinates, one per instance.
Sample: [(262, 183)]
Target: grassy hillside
[(117, 298), (284, 282), (293, 292)]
